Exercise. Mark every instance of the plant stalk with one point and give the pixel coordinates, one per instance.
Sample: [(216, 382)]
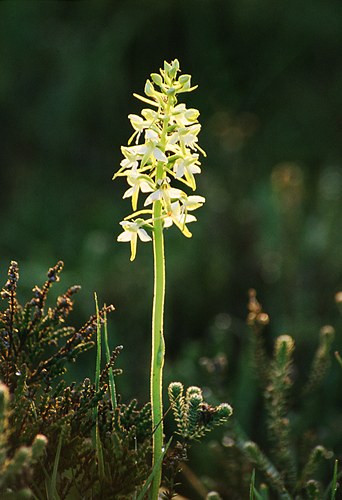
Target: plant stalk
[(158, 344)]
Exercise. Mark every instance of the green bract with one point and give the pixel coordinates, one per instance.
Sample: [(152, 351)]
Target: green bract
[(170, 141)]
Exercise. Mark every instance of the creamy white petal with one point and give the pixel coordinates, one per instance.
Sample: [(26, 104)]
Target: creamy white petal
[(125, 236), (128, 193), (174, 193), (179, 168), (129, 226), (196, 199), (143, 235), (145, 187), (159, 155), (168, 222), (157, 195), (129, 163), (194, 169), (137, 122), (151, 135), (190, 218)]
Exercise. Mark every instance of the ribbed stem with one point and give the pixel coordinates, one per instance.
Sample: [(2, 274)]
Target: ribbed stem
[(158, 344)]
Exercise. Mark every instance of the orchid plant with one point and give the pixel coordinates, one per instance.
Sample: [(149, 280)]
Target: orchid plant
[(165, 150)]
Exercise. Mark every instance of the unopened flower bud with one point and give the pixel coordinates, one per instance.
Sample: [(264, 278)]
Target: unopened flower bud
[(156, 77)]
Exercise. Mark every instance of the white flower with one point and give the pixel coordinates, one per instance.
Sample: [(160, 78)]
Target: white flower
[(139, 124), (178, 212), (126, 163), (150, 115), (144, 152), (133, 155), (186, 136), (165, 193), (177, 216), (187, 167), (190, 203), (152, 135), (129, 162), (131, 232), (152, 140), (183, 116), (138, 182)]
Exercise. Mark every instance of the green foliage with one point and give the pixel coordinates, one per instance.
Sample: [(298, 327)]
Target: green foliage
[(32, 350), (193, 416), (95, 444), (276, 376), (172, 465), (35, 348), (321, 361), (276, 400), (273, 85), (262, 494), (16, 464)]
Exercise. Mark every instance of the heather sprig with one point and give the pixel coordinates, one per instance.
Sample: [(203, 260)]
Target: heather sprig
[(40, 411), (16, 465), (193, 416), (276, 377)]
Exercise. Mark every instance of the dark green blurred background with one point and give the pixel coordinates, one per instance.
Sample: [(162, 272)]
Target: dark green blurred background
[(270, 96)]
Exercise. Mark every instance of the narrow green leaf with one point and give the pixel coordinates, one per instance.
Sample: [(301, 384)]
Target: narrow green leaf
[(154, 470), (99, 453), (111, 374), (251, 486), (96, 435), (253, 492), (51, 486), (98, 345), (334, 484)]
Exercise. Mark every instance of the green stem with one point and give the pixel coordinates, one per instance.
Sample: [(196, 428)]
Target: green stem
[(158, 344)]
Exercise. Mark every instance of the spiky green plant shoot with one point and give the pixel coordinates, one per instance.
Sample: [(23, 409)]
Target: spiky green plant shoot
[(193, 416)]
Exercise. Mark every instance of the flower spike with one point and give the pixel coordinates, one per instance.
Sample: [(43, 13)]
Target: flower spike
[(165, 138)]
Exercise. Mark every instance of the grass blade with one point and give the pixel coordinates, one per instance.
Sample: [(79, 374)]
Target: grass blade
[(253, 492), (334, 484), (99, 453), (51, 485), (112, 387), (251, 486), (96, 435), (98, 345)]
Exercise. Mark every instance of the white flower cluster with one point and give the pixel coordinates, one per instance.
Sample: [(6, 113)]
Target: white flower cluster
[(170, 151)]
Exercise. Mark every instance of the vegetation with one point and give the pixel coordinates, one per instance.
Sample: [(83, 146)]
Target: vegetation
[(77, 440), (269, 94)]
